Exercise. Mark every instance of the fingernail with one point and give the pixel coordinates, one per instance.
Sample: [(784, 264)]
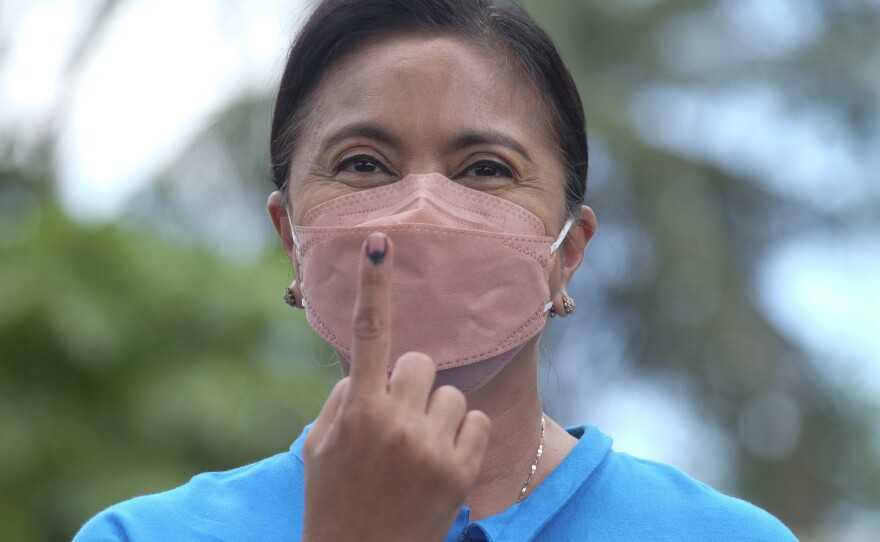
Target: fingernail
[(377, 246)]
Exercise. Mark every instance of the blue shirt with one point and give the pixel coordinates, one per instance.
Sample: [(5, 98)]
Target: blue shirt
[(595, 494)]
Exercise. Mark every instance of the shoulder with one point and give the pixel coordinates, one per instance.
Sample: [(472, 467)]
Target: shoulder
[(254, 502), (662, 495)]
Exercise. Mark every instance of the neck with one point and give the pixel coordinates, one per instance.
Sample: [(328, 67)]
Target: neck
[(512, 402)]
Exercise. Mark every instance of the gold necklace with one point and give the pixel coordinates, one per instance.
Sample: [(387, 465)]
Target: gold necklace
[(522, 493)]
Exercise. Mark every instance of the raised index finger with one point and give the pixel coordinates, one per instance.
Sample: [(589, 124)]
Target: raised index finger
[(371, 341)]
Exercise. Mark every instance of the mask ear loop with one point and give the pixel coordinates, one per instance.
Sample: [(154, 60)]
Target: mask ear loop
[(293, 233), (296, 244), (556, 244), (553, 248)]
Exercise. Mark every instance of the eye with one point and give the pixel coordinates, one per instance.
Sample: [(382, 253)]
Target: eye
[(361, 163), (487, 168)]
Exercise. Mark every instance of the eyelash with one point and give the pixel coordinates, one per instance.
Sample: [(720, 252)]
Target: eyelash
[(360, 158), (502, 170)]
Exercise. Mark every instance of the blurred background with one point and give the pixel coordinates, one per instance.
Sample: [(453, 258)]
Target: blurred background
[(728, 314)]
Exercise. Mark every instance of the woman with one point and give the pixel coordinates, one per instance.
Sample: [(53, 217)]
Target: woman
[(430, 159)]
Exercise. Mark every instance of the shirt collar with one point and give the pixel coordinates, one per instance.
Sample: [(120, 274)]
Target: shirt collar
[(527, 518)]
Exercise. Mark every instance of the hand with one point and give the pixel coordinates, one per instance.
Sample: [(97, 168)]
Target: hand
[(387, 459)]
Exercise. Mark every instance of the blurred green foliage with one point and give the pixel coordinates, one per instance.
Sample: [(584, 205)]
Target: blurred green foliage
[(130, 364), (689, 232)]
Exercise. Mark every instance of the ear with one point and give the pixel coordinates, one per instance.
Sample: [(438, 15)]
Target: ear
[(576, 243), (279, 215), (572, 250)]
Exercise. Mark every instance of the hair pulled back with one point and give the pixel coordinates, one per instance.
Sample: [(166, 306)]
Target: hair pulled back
[(339, 27)]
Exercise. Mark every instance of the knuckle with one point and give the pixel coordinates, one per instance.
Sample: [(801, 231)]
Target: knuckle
[(359, 428), (451, 396), (451, 393), (481, 422), (358, 414), (348, 420), (400, 437), (373, 279), (369, 325), (416, 361)]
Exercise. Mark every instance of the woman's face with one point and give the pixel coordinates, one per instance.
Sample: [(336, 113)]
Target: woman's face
[(419, 104)]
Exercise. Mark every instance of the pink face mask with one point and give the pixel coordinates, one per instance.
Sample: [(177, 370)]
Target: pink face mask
[(471, 273)]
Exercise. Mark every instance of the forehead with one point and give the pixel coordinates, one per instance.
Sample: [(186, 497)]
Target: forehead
[(434, 84)]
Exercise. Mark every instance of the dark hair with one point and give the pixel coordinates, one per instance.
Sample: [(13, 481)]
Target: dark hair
[(338, 27)]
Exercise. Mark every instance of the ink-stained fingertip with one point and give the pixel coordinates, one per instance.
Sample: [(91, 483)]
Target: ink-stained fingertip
[(377, 247)]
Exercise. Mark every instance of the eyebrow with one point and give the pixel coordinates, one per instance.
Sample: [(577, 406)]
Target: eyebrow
[(471, 139), (376, 132), (366, 130)]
